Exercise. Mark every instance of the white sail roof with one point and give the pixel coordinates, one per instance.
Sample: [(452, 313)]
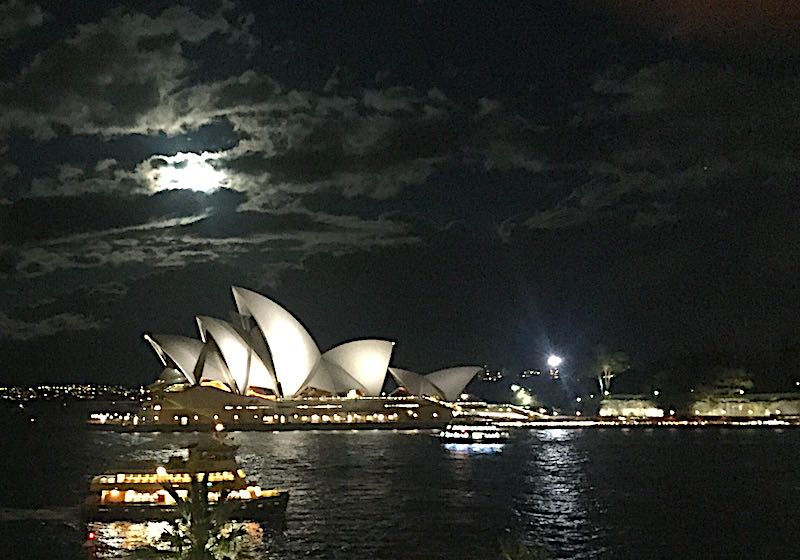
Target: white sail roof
[(415, 383), (181, 351), (294, 353), (245, 366), (447, 384), (328, 376), (365, 361), (185, 353), (172, 376), (452, 381), (266, 346), (213, 368)]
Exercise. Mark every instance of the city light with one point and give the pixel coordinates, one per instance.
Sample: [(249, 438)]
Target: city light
[(554, 361)]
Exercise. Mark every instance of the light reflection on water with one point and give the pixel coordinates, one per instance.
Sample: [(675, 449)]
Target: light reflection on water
[(553, 500), (466, 449), (585, 493), (119, 539)]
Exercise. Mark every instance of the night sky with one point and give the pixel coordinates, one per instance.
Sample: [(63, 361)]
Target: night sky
[(481, 182)]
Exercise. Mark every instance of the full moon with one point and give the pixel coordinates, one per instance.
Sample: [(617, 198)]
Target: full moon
[(187, 171)]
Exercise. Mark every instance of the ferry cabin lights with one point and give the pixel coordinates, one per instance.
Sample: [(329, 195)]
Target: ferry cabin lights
[(162, 476), (163, 497)]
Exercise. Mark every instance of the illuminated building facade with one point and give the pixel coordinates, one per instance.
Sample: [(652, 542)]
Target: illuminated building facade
[(206, 407), (263, 367), (630, 406)]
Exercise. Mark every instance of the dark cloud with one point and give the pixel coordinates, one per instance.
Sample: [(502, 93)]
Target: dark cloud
[(20, 329), (669, 130), (567, 168), (754, 34), (133, 238), (93, 214), (377, 149), (16, 16), (112, 76), (8, 171)]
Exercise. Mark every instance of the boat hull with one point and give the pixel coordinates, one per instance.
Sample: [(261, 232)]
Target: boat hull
[(473, 434), (471, 441), (269, 508)]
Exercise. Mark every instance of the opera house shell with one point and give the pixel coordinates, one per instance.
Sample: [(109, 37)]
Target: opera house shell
[(446, 384), (264, 353)]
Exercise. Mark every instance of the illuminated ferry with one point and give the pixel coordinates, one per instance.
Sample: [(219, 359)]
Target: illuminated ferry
[(147, 492), (473, 434)]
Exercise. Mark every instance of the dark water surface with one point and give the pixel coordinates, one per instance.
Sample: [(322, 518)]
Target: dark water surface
[(584, 493)]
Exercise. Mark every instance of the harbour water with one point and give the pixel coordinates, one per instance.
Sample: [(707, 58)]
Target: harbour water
[(583, 493)]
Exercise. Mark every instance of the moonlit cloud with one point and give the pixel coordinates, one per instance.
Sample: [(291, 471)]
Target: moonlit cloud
[(183, 171)]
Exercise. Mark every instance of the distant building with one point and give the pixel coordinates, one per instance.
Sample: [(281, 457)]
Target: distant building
[(756, 405), (630, 406), (490, 375)]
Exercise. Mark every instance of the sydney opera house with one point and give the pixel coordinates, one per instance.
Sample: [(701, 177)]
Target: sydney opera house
[(262, 369)]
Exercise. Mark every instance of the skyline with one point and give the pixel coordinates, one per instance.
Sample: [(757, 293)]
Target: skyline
[(483, 185)]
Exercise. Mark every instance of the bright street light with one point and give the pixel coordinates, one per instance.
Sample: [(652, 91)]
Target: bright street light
[(554, 361)]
